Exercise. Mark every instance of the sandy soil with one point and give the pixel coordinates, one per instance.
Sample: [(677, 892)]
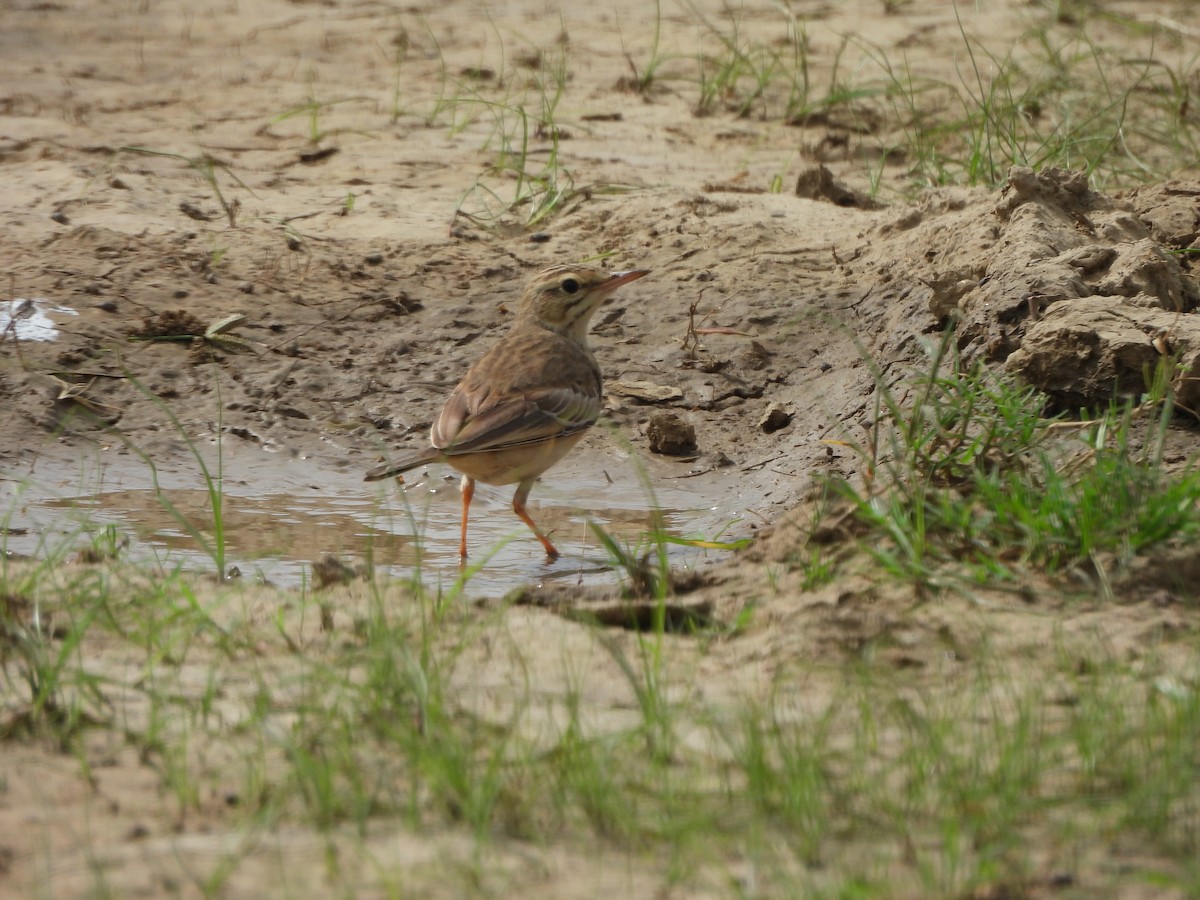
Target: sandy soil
[(333, 232)]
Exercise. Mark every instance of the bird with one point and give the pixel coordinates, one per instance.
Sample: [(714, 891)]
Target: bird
[(529, 399)]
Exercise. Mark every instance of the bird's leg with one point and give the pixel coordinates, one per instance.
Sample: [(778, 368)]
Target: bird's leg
[(519, 499), (468, 491)]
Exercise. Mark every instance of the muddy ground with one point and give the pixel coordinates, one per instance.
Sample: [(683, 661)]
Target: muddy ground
[(167, 165)]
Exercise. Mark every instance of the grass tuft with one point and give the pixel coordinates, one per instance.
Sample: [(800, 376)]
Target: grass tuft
[(965, 468)]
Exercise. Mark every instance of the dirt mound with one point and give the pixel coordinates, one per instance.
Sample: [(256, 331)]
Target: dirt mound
[(1076, 290)]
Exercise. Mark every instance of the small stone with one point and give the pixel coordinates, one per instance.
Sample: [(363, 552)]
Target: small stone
[(246, 287), (774, 418), (60, 217), (539, 237), (646, 391), (670, 435), (374, 258)]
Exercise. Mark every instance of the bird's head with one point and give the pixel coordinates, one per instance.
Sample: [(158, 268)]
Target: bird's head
[(563, 298)]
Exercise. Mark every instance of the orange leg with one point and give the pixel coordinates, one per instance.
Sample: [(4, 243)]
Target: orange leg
[(468, 491), (519, 499)]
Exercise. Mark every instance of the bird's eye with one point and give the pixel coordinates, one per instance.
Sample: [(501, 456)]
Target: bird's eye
[(570, 286)]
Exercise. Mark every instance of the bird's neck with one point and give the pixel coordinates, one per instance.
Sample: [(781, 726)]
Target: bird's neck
[(575, 331)]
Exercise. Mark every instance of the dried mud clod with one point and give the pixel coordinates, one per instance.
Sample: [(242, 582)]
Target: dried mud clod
[(774, 418), (1172, 213), (671, 435), (1057, 240), (1107, 307), (1062, 189), (1086, 352), (1070, 286), (818, 183)]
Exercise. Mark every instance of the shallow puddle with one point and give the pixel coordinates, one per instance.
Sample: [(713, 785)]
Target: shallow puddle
[(276, 526)]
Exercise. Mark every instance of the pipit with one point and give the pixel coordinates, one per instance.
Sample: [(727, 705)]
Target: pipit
[(529, 399)]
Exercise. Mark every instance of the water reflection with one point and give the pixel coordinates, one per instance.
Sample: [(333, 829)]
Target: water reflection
[(399, 530)]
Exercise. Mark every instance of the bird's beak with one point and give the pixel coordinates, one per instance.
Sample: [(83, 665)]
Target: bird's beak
[(616, 279)]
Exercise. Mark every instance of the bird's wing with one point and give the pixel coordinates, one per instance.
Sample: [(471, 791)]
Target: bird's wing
[(535, 415)]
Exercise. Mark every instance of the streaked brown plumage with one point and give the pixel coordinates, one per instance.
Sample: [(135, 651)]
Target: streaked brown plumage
[(529, 399)]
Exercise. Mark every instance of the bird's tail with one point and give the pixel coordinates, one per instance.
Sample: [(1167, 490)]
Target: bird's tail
[(388, 469)]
